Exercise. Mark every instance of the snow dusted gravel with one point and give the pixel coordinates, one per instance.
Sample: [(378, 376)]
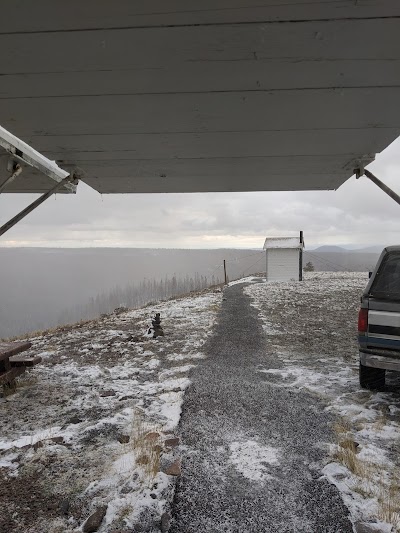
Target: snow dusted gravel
[(311, 329), (80, 430), (254, 452)]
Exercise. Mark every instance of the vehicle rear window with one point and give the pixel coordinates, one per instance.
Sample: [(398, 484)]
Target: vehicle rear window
[(387, 280)]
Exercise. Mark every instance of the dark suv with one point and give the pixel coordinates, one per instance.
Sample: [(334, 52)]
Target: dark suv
[(379, 321)]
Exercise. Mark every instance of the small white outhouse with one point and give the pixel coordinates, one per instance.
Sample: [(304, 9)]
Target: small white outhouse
[(284, 258)]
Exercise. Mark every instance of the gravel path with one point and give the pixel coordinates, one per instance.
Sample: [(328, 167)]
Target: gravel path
[(236, 427)]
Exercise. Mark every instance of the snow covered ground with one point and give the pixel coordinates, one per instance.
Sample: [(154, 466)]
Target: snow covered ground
[(311, 327), (92, 427)]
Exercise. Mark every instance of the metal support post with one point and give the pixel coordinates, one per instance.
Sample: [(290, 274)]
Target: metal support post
[(301, 257), (378, 182), (69, 179)]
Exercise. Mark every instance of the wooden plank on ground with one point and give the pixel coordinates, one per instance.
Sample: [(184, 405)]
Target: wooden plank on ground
[(24, 360)]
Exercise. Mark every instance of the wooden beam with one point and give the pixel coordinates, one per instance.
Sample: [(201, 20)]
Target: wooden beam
[(8, 349), (24, 360)]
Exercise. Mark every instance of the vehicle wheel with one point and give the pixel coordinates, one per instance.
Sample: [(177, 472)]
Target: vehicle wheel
[(372, 378)]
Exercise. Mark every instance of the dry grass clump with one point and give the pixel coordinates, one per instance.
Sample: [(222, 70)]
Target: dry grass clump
[(389, 502), (24, 380), (380, 423), (341, 426), (370, 482), (51, 331), (347, 449), (7, 389), (27, 379), (364, 491), (214, 307), (124, 511), (346, 454), (147, 445)]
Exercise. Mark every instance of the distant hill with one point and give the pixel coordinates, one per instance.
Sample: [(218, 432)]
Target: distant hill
[(341, 260), (329, 249), (376, 248)]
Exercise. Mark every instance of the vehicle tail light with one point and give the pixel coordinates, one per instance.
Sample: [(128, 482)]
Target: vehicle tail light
[(363, 320)]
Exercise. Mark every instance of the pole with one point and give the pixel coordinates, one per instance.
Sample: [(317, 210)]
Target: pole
[(380, 184), (301, 257), (226, 279), (8, 225)]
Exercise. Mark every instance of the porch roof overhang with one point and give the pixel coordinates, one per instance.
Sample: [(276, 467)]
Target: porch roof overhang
[(190, 96)]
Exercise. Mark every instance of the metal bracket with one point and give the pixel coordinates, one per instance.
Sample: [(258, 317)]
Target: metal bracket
[(22, 153), (359, 172), (16, 170)]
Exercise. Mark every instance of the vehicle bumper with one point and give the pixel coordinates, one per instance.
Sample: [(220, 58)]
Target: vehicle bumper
[(387, 362)]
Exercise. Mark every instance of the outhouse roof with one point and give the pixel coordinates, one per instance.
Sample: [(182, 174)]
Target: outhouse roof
[(282, 242)]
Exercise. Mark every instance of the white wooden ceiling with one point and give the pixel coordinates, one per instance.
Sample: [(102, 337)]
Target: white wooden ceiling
[(210, 95)]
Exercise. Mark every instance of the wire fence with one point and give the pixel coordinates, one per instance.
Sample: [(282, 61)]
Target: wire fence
[(153, 290), (337, 266)]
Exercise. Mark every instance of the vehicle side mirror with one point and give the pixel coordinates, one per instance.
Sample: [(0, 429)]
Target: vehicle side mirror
[(369, 274)]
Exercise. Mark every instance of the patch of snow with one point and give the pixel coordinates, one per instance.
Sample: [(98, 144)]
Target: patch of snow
[(282, 242), (46, 354), (249, 279), (252, 460), (184, 356), (30, 440), (152, 364), (10, 462), (176, 370), (171, 408), (358, 506), (269, 330)]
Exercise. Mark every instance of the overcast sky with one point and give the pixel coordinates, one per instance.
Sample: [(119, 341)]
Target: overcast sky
[(357, 213)]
